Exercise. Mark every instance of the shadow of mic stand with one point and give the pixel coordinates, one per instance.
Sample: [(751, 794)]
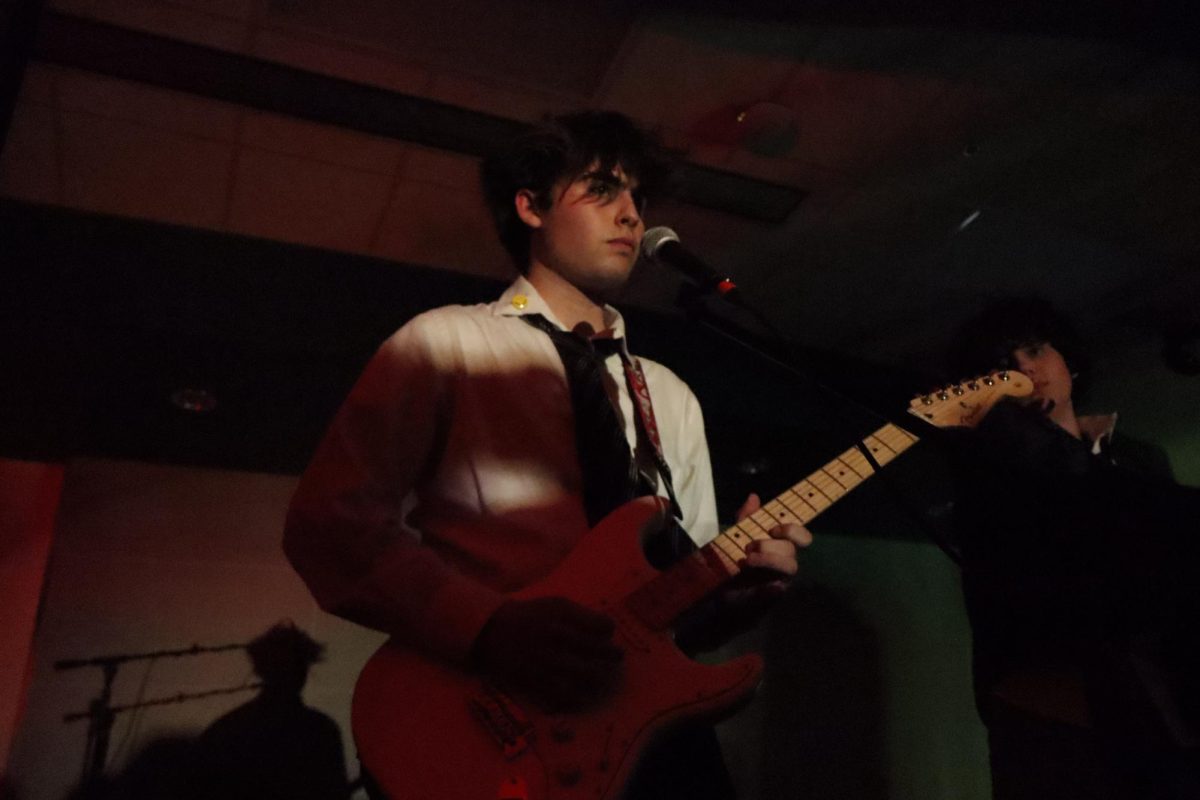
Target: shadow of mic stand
[(102, 714)]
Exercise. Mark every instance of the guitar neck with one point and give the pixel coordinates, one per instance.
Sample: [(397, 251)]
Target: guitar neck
[(804, 501), (661, 600)]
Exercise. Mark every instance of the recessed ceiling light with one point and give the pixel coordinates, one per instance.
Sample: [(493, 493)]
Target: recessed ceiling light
[(754, 466), (194, 400)]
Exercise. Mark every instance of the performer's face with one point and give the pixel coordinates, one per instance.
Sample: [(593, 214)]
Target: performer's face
[(1048, 370), (592, 232)]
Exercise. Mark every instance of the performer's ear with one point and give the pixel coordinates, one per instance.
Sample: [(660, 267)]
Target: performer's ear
[(526, 204)]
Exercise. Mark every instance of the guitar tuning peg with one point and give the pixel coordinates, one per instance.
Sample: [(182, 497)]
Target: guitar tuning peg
[(926, 400), (942, 395), (988, 381), (973, 386), (1003, 375), (958, 391)]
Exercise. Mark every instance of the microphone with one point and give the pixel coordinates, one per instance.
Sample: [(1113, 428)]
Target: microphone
[(662, 244)]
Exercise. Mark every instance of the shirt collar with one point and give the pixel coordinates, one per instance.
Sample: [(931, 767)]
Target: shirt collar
[(1098, 429), (522, 298)]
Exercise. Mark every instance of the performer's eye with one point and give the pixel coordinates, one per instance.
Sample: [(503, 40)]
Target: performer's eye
[(605, 189)]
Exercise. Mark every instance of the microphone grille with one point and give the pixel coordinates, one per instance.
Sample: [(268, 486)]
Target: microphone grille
[(656, 238)]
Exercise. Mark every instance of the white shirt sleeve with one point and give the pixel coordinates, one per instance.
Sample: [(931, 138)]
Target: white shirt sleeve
[(344, 532)]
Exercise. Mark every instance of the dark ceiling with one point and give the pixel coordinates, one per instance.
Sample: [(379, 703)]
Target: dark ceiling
[(249, 196)]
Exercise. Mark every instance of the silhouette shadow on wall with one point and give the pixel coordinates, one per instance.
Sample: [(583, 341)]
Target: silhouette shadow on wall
[(273, 747)]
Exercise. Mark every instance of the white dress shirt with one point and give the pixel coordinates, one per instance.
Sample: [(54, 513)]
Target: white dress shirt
[(464, 416)]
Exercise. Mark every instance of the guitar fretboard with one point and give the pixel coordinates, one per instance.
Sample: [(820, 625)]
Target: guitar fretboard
[(808, 498), (661, 600)]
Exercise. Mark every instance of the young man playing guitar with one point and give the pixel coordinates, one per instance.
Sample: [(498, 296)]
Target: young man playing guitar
[(478, 422)]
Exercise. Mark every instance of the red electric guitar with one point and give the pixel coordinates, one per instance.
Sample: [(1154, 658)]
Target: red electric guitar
[(425, 729)]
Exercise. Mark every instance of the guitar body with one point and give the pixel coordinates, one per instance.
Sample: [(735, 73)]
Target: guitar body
[(427, 729)]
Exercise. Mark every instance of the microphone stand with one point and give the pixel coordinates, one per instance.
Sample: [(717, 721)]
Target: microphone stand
[(101, 714), (691, 299)]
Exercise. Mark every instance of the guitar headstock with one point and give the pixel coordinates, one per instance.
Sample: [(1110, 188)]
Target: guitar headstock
[(964, 404)]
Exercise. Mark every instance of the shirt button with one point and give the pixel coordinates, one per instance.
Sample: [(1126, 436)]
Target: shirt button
[(519, 301)]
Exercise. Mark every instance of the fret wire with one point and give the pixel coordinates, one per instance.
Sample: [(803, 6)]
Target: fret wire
[(735, 534), (724, 543), (757, 519), (782, 517), (730, 546), (875, 435), (858, 462), (832, 489), (740, 535), (805, 513), (748, 527), (847, 458), (887, 433), (814, 493), (883, 454), (821, 482), (895, 441), (879, 433), (847, 475), (837, 471), (795, 492)]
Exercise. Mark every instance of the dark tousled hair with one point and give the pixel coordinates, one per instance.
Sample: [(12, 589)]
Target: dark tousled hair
[(561, 147), (986, 341)]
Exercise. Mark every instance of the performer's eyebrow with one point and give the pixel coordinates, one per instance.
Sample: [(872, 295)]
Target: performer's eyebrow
[(604, 177), (612, 181)]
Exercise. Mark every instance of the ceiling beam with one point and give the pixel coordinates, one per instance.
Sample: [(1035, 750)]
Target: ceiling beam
[(98, 47)]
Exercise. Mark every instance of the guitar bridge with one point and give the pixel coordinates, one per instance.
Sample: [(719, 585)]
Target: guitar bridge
[(502, 718)]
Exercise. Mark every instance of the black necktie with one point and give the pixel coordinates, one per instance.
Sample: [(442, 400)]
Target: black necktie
[(610, 478)]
